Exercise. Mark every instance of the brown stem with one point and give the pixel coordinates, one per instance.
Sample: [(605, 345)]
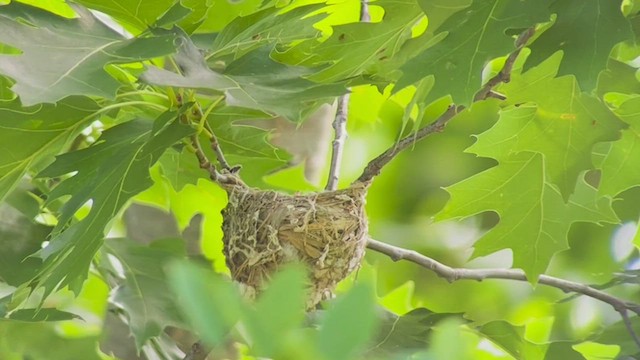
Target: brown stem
[(340, 128), (454, 274), (504, 76), (375, 166)]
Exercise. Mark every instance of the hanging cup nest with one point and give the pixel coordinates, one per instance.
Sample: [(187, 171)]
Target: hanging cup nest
[(264, 230)]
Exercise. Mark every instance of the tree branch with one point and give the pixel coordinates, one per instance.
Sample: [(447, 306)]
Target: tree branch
[(375, 166), (340, 121), (204, 162), (454, 274), (504, 76), (340, 128)]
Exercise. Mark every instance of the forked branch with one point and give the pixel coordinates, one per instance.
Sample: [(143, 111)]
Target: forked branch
[(454, 274), (375, 166)]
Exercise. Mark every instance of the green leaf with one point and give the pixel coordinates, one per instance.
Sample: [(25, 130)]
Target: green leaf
[(144, 293), (142, 14), (618, 77), (47, 314), (253, 81), (354, 47), (585, 31), (438, 11), (512, 340), (474, 37), (617, 334), (557, 121), (348, 325), (108, 174), (62, 57), (619, 167), (41, 341), (534, 219), (19, 238), (221, 13), (246, 143), (407, 333), (33, 135), (268, 26), (279, 310), (211, 303)]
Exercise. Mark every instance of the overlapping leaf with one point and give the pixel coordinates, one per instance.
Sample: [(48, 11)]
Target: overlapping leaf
[(475, 36), (243, 144), (142, 14), (268, 26), (586, 31), (108, 174), (31, 135), (534, 219), (620, 170), (42, 341), (253, 81), (62, 57), (144, 293), (354, 47), (563, 125)]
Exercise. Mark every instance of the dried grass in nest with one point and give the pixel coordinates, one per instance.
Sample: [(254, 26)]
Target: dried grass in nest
[(264, 230)]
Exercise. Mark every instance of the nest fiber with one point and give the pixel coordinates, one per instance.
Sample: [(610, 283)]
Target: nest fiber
[(264, 230)]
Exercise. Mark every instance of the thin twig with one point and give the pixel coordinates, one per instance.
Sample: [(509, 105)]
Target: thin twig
[(205, 163), (454, 274), (215, 145), (504, 76), (198, 351), (340, 128), (340, 121), (375, 166)]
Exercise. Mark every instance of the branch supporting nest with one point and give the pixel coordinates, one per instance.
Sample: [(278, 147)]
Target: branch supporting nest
[(375, 166), (340, 128), (454, 274)]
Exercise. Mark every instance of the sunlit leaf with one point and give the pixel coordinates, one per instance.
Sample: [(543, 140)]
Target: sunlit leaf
[(534, 219), (475, 36), (62, 57)]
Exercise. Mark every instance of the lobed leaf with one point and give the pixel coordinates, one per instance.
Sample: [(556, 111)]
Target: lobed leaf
[(107, 175), (585, 31), (253, 81), (534, 219), (62, 57), (474, 36)]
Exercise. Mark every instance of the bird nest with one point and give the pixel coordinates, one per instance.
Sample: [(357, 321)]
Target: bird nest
[(264, 230)]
